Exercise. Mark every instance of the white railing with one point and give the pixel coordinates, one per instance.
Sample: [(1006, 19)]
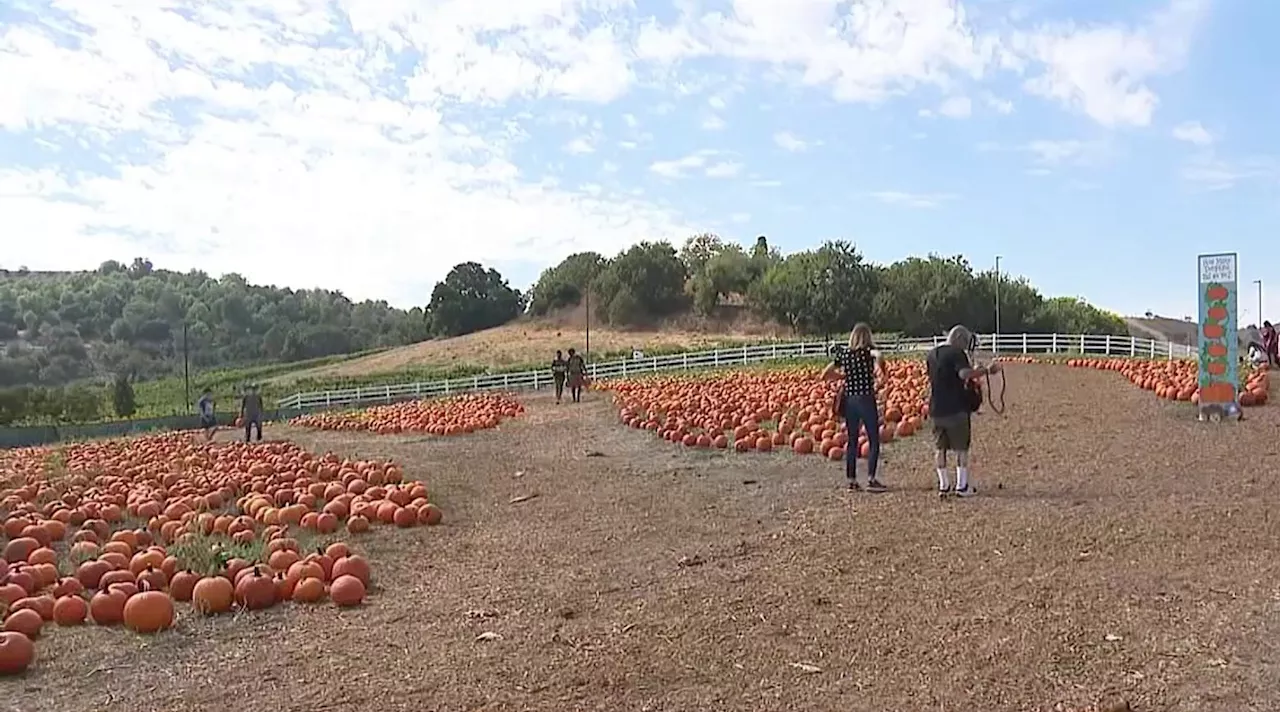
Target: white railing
[(1008, 344)]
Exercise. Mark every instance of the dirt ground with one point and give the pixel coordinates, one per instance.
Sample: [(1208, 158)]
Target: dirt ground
[(514, 344), (1116, 548)]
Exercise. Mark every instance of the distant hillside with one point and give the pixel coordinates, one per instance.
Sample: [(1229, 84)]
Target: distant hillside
[(60, 327), (1160, 328), (530, 341)]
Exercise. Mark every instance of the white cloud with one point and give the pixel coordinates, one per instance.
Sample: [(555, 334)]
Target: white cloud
[(1047, 153), (1209, 172), (1001, 106), (1193, 132), (956, 107), (788, 141), (1102, 70), (912, 200), (713, 123), (259, 122), (304, 170), (724, 170), (677, 168), (579, 146), (740, 218)]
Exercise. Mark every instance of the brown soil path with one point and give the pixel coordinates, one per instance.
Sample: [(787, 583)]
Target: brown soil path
[(1117, 547)]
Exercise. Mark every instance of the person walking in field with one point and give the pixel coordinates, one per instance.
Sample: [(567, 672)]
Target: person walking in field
[(251, 412), (559, 371), (859, 365), (952, 402), (208, 419), (577, 370)]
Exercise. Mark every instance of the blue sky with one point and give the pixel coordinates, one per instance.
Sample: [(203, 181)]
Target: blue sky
[(369, 145)]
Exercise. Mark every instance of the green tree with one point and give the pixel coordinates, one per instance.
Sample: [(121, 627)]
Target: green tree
[(472, 298), (1070, 315), (565, 284), (123, 400), (698, 250), (79, 325), (729, 271), (651, 275)]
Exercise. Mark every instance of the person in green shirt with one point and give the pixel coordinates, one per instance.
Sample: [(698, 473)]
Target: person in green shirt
[(559, 370)]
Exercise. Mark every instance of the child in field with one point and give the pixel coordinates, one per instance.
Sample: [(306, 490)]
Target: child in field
[(208, 418)]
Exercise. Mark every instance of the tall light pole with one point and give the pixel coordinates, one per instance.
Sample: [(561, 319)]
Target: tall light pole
[(995, 342), (1259, 283)]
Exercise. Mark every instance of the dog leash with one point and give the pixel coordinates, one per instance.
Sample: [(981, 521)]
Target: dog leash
[(991, 400)]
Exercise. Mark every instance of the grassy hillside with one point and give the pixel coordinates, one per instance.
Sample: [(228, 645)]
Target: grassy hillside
[(528, 343), (65, 327)]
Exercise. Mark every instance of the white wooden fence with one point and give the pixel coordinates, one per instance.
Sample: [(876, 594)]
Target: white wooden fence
[(1008, 344)]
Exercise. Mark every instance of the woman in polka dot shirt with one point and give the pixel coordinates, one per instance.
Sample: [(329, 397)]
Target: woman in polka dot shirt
[(858, 365)]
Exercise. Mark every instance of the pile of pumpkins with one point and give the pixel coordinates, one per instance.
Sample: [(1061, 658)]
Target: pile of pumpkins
[(139, 590)]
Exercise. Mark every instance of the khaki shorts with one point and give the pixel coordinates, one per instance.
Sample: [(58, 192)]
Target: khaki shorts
[(952, 432)]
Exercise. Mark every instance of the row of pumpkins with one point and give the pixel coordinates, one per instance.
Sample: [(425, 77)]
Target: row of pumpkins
[(142, 594)]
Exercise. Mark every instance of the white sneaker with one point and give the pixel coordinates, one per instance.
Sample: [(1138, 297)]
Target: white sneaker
[(968, 491)]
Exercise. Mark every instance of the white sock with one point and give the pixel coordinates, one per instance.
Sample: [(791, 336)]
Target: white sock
[(943, 483), (962, 478)]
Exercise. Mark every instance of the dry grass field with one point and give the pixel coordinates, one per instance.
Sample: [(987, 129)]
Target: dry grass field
[(533, 342), (1118, 552)]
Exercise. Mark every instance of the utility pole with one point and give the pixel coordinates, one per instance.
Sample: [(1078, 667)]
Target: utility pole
[(995, 345), (186, 366), (1259, 283)]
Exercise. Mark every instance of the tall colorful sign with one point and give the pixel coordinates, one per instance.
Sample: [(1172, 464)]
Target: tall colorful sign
[(1219, 339)]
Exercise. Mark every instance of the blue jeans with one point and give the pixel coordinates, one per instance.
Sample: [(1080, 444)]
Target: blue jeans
[(861, 410)]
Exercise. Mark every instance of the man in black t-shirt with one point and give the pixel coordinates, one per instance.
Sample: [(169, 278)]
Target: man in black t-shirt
[(949, 406)]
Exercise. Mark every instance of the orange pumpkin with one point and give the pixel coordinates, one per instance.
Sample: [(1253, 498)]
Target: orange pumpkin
[(212, 595), (148, 612), (308, 590), (347, 590), (354, 565), (70, 610), (16, 653), (107, 607), (25, 621), (256, 590)]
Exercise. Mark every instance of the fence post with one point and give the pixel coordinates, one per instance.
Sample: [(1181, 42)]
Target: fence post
[(388, 393), (1024, 342), (475, 382), (1055, 343), (1153, 349), (1133, 347), (744, 355), (1108, 345)]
